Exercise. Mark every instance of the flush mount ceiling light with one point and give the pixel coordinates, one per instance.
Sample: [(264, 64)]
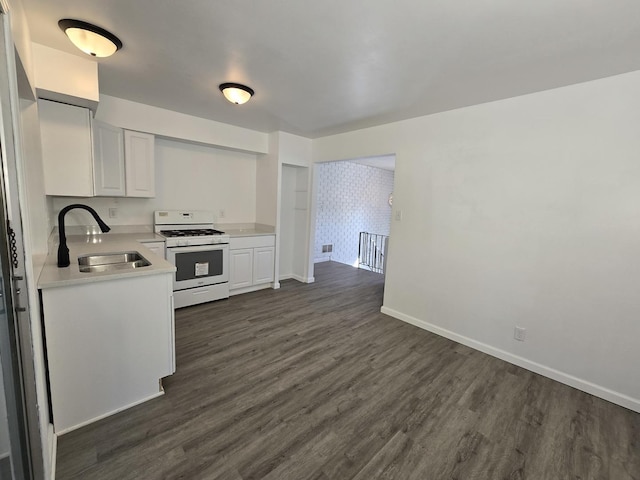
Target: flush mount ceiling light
[(92, 40), (236, 93)]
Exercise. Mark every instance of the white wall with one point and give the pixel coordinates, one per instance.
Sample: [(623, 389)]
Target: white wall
[(522, 212), (64, 77), (36, 233), (188, 176), (34, 178), (267, 184), (167, 123), (350, 198), (294, 150), (21, 37)]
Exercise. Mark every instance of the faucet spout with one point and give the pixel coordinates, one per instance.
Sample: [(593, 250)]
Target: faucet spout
[(63, 250)]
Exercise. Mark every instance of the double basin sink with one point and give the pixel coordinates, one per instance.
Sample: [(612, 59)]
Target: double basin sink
[(112, 262)]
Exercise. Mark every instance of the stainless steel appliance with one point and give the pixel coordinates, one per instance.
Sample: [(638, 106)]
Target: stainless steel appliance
[(200, 254)]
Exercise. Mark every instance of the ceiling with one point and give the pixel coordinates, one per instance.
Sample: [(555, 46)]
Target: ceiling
[(324, 67)]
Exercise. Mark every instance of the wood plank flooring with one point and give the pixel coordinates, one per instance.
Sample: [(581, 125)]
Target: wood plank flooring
[(313, 382)]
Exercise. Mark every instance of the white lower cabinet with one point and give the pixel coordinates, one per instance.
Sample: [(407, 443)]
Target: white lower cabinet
[(263, 262), (111, 349), (241, 269), (252, 263)]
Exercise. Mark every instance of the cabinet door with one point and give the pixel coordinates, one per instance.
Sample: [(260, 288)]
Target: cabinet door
[(139, 164), (263, 265), (241, 269), (67, 153), (108, 160)]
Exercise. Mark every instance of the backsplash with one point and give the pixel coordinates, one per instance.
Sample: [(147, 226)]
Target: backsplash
[(351, 198)]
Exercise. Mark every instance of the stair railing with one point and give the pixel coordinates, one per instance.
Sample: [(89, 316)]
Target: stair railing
[(371, 250)]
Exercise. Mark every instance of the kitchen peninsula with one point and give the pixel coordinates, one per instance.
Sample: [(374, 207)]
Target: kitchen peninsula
[(109, 335)]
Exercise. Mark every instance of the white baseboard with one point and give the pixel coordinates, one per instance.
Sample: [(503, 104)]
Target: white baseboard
[(321, 259), (302, 279), (252, 288), (108, 414), (562, 377), (299, 278)]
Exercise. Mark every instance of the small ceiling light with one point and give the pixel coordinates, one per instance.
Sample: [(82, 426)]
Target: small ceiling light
[(92, 40), (236, 93)]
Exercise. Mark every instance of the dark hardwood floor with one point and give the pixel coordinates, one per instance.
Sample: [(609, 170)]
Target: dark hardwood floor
[(313, 382)]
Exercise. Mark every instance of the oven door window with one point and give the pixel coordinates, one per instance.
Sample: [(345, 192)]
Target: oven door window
[(194, 265)]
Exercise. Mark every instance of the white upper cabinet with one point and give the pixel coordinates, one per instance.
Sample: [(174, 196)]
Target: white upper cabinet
[(66, 149), (140, 164), (108, 160), (84, 159)]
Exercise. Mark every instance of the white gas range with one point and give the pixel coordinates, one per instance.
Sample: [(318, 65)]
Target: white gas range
[(200, 254)]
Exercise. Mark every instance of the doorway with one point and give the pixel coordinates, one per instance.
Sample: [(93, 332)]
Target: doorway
[(294, 223), (352, 197)]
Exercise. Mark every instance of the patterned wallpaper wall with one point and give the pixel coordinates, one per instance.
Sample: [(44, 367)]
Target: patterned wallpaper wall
[(351, 198)]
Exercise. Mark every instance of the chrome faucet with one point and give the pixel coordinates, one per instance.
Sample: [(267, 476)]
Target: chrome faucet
[(63, 250)]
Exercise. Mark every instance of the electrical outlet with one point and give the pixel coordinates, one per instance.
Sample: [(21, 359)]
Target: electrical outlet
[(520, 333), (222, 213), (113, 212), (398, 215)]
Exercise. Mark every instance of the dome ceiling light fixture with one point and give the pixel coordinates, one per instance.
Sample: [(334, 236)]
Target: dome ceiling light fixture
[(236, 93), (92, 40)]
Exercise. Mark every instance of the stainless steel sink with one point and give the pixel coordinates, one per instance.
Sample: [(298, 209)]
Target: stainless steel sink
[(112, 262)]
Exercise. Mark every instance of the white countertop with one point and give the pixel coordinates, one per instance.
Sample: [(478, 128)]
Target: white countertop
[(246, 229), (79, 245)]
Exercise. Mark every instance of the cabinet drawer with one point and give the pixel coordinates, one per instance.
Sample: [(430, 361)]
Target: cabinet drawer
[(236, 243)]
